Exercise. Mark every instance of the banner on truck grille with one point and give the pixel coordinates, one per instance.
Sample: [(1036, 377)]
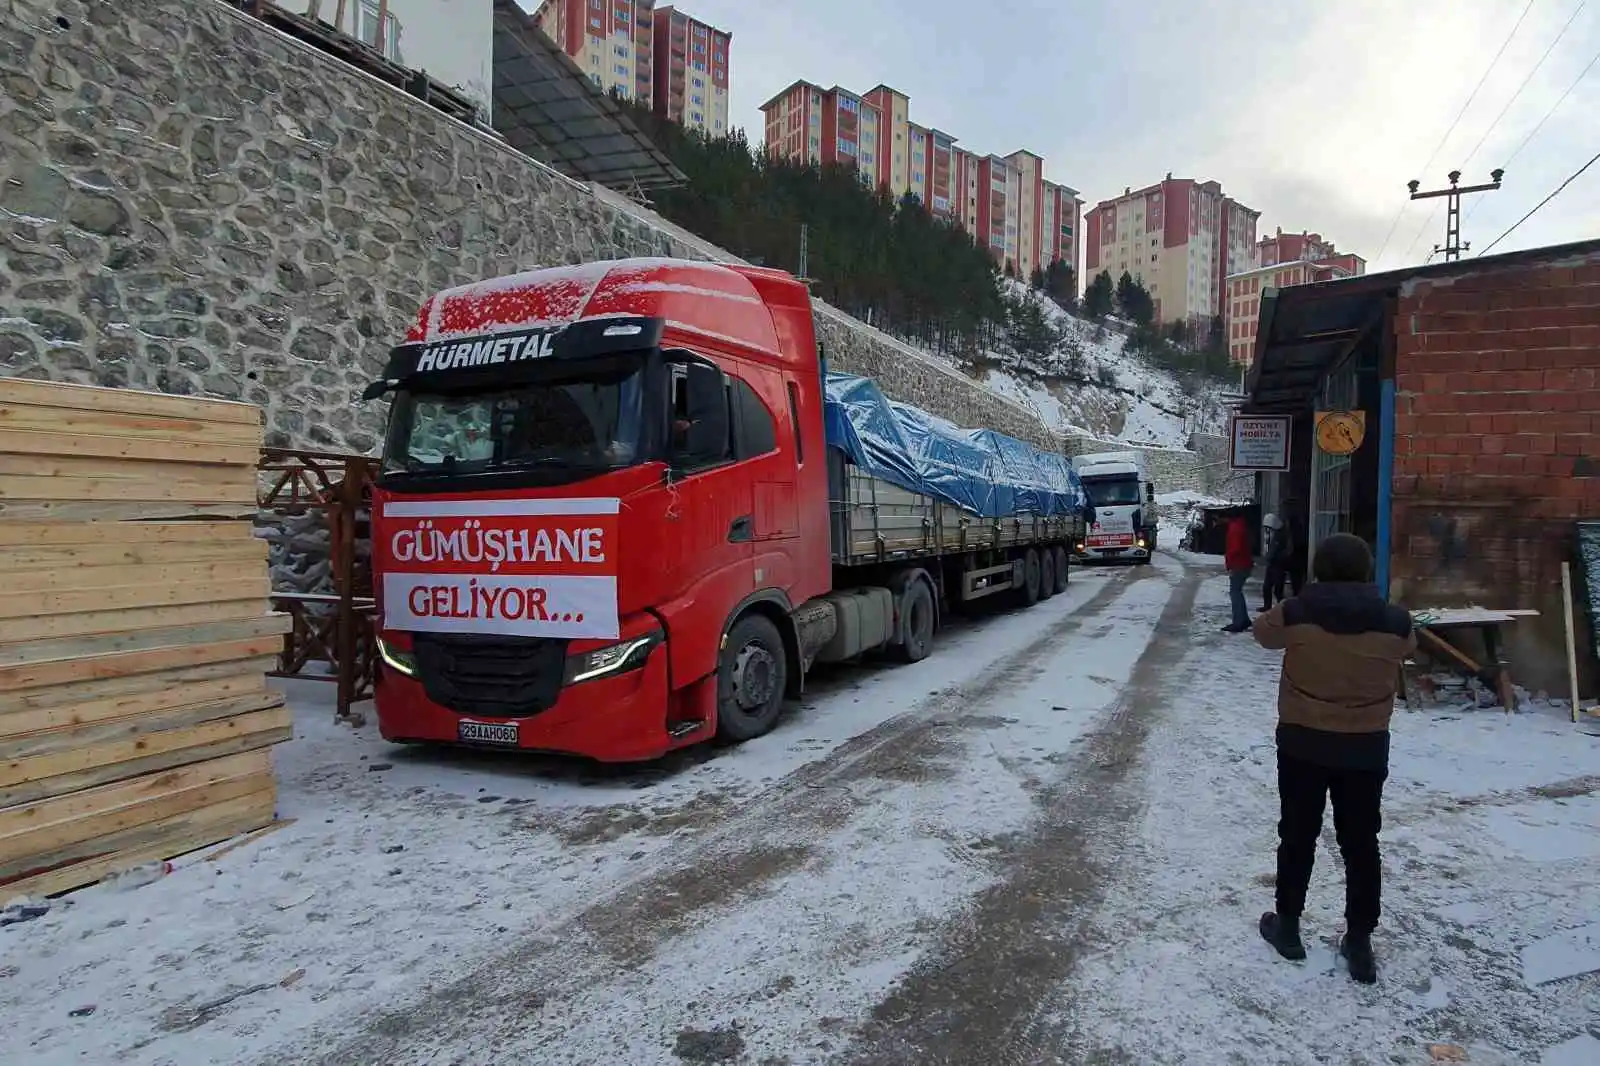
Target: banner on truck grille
[(524, 568)]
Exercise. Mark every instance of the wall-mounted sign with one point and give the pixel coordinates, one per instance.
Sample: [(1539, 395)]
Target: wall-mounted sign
[(1341, 432), (1259, 442)]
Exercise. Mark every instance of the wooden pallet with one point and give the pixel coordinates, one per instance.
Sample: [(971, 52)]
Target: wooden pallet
[(135, 632)]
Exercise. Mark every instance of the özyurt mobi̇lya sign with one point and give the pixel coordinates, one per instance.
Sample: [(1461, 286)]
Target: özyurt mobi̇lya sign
[(1259, 442)]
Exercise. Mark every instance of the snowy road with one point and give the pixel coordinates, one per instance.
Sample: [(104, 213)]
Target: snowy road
[(1046, 844)]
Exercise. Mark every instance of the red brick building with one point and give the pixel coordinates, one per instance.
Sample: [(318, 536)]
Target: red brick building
[(1480, 384)]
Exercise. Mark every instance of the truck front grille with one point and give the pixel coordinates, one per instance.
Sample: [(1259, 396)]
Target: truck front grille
[(491, 677)]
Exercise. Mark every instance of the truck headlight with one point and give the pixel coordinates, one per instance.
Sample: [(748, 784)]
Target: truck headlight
[(613, 659), (1141, 542), (401, 662)]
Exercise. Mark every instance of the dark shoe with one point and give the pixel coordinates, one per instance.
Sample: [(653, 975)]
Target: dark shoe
[(1234, 628), (1284, 936), (1356, 949)]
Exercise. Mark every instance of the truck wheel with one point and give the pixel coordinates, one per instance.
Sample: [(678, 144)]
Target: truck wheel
[(1062, 562), (751, 679), (1047, 573), (1028, 594), (916, 622)]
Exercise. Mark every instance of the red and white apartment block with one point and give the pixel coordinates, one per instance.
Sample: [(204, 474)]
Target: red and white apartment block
[(1284, 259), (656, 55), (1182, 238), (1005, 202)]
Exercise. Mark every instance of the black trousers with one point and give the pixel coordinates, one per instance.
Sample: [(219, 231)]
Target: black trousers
[(1272, 585), (1357, 798)]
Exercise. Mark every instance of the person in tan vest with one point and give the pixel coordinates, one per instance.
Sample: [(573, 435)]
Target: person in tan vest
[(1343, 645)]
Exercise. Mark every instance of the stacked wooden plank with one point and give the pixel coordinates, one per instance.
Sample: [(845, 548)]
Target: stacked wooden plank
[(135, 631)]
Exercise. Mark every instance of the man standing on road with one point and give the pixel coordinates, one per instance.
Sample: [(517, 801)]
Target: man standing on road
[(1240, 560), (1343, 646)]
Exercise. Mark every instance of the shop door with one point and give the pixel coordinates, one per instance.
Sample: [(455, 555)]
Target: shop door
[(1330, 474)]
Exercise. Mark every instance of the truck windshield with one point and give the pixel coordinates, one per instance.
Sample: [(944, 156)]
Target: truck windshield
[(585, 420), (1111, 493)]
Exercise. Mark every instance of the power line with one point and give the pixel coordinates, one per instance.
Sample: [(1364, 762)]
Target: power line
[(1440, 146), (1518, 94), (1497, 119), (1553, 109), (1574, 177)]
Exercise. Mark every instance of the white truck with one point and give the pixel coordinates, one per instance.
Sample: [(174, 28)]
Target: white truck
[(1124, 501)]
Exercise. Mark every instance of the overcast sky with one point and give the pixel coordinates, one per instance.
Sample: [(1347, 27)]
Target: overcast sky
[(1315, 113)]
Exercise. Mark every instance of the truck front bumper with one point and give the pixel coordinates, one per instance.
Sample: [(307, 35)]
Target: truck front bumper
[(1138, 551), (618, 718)]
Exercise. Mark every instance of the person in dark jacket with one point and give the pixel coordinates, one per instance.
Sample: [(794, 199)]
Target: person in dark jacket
[(1298, 544), (1276, 551), (1240, 560), (1343, 645)]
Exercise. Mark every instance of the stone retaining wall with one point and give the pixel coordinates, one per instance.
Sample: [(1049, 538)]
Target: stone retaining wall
[(193, 203)]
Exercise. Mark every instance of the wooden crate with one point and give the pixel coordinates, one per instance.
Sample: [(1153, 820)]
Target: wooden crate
[(135, 631)]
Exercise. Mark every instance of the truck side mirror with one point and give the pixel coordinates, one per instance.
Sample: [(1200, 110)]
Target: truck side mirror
[(705, 440)]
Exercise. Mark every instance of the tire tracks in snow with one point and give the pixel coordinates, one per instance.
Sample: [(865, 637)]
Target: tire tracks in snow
[(983, 996), (688, 884)]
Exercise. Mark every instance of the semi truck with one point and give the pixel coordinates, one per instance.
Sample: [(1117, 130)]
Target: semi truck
[(623, 508), (1124, 503)]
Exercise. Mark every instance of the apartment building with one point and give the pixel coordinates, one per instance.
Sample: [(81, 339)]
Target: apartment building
[(658, 56), (691, 71), (1242, 306), (1182, 238), (1003, 201), (1306, 247), (1285, 259)]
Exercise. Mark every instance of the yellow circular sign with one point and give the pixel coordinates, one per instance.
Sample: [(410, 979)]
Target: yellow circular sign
[(1341, 432)]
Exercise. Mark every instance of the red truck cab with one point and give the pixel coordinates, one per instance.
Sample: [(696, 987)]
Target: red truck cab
[(603, 494)]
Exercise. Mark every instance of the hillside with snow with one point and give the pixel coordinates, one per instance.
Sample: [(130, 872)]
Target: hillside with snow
[(1092, 385)]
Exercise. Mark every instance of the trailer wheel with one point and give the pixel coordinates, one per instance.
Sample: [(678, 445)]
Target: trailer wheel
[(752, 675), (1028, 594), (1063, 561), (917, 614), (1047, 573)]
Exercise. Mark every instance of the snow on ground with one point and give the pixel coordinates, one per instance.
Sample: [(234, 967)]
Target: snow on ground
[(775, 902), (865, 902), (1492, 889), (403, 865)]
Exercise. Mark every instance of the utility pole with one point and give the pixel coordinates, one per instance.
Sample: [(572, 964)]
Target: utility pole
[(805, 232), (1452, 246)]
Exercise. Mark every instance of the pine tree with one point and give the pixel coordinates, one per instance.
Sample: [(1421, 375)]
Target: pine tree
[(1036, 280), (916, 275), (1061, 285), (1135, 301), (1099, 296)]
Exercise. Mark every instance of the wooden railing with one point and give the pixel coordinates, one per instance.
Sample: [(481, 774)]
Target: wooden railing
[(338, 629)]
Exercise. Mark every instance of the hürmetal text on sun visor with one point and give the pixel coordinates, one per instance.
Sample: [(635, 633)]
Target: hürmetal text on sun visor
[(463, 362)]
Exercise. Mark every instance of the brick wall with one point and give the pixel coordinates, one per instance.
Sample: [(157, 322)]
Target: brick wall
[(1497, 443)]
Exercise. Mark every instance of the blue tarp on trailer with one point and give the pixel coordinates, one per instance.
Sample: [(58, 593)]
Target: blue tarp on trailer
[(983, 471)]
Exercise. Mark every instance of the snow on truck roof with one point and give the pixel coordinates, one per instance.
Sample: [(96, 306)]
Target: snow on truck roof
[(720, 302)]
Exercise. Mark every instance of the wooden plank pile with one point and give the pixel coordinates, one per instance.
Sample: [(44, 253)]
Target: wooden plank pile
[(135, 631)]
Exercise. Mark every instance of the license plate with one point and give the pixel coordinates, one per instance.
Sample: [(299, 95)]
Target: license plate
[(488, 733)]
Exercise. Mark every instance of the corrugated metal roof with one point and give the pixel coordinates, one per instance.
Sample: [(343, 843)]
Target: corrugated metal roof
[(546, 107)]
